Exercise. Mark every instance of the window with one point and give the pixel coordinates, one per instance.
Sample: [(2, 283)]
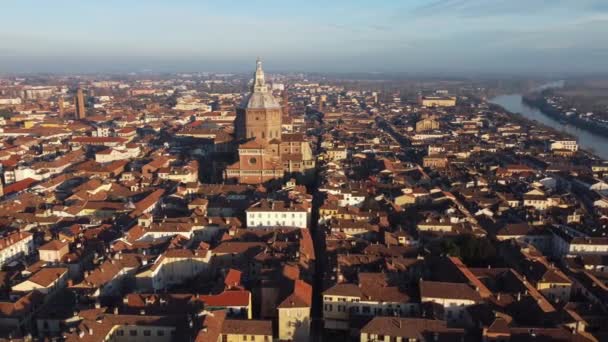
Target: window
[(160, 333), (147, 333), (133, 332), (120, 333)]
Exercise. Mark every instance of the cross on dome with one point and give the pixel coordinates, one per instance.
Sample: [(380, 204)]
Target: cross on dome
[(259, 83)]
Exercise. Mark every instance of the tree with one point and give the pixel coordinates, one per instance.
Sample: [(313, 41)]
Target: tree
[(474, 251)]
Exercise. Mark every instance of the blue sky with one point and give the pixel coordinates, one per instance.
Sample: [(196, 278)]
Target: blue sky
[(312, 35)]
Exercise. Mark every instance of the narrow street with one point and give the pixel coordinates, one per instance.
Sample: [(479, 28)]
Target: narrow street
[(318, 236), (388, 127)]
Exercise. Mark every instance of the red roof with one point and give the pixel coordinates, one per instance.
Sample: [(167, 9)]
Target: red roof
[(194, 124), (98, 140), (148, 201), (11, 161), (301, 296), (19, 186), (233, 278), (228, 298)]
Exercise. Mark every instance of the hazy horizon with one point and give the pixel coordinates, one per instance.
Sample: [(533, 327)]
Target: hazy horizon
[(438, 36)]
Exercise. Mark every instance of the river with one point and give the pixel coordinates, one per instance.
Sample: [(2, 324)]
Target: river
[(589, 141)]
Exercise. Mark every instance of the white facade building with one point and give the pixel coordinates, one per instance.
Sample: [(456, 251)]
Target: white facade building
[(272, 214), (15, 246), (570, 145)]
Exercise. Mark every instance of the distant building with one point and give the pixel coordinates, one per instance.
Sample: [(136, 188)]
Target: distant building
[(438, 101), (427, 124), (60, 107), (436, 161), (79, 103), (37, 92), (569, 145)]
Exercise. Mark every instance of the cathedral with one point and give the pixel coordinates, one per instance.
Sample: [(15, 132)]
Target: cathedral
[(265, 151)]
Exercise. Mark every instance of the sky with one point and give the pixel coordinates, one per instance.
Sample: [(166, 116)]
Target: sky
[(411, 36)]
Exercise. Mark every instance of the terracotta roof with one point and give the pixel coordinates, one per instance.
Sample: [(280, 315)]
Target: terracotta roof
[(300, 297), (98, 140), (247, 327), (211, 324), (47, 276), (253, 144), (435, 289), (13, 238), (228, 298), (19, 186), (53, 245), (148, 201), (233, 278), (413, 328), (23, 306)]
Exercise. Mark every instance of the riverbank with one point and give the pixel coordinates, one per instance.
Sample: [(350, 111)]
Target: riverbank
[(589, 141), (541, 104)]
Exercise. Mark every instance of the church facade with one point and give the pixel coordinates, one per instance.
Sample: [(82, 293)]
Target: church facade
[(265, 151)]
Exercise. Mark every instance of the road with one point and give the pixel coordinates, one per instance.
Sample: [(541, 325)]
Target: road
[(318, 236)]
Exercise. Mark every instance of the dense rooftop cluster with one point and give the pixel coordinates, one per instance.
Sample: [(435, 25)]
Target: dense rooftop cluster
[(459, 221), (171, 209)]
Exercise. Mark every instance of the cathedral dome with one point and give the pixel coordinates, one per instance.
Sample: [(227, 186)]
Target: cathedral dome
[(260, 97), (260, 101)]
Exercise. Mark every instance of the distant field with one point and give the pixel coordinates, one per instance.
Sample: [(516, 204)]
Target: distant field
[(588, 95)]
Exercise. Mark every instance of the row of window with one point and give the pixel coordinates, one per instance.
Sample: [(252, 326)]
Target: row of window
[(283, 215), (368, 310), (391, 338), (245, 338), (271, 134), (146, 332), (282, 223)]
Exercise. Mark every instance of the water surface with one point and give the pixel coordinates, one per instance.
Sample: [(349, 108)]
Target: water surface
[(587, 140)]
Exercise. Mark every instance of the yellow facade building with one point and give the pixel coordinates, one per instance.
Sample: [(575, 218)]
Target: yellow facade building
[(438, 101)]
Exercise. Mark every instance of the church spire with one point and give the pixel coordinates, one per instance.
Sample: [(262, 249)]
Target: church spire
[(259, 83)]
